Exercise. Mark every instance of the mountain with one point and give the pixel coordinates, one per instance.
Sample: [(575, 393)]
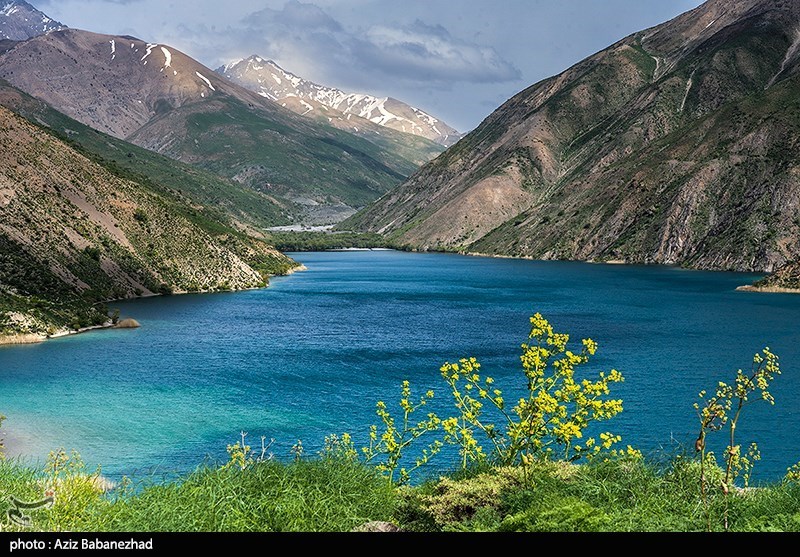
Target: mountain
[(240, 206), (350, 110), (160, 99), (20, 21), (676, 145), (73, 233)]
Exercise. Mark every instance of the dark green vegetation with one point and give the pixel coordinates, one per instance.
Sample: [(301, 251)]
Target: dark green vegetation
[(787, 277), (320, 241), (675, 145), (606, 496), (312, 495), (29, 288)]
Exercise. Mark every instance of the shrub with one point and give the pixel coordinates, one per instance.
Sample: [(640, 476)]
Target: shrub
[(140, 216), (568, 515), (455, 501), (546, 423)]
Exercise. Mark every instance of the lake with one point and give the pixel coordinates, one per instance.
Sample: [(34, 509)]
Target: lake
[(311, 354)]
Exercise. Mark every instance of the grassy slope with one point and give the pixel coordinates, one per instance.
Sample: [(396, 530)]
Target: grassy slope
[(156, 171), (739, 218), (282, 155)]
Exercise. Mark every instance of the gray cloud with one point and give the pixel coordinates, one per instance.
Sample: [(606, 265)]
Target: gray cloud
[(296, 15), (421, 52), (305, 35), (457, 59)]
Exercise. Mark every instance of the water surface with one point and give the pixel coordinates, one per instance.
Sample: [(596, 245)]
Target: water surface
[(313, 353)]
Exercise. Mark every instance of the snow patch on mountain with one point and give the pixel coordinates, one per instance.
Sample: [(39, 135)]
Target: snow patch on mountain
[(149, 51), (167, 58), (269, 80), (204, 78), (9, 9), (308, 107)]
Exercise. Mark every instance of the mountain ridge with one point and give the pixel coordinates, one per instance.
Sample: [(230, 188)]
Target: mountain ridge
[(74, 234), (160, 99), (20, 21), (636, 153), (269, 80)]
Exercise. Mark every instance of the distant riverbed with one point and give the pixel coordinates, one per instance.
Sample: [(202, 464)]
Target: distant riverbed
[(311, 354)]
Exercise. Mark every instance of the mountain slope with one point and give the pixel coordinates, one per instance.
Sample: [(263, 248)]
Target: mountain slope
[(675, 145), (73, 233), (162, 100), (224, 199), (20, 21), (350, 110)]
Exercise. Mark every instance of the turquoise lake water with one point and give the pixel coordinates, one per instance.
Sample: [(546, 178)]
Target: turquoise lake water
[(313, 353)]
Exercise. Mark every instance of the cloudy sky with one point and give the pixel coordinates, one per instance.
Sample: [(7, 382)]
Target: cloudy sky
[(457, 59)]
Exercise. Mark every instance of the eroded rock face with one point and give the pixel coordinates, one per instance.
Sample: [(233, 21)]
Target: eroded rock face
[(676, 145)]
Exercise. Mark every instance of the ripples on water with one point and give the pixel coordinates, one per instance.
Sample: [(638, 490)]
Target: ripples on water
[(313, 353)]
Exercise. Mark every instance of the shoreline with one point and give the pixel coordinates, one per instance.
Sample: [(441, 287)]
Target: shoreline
[(20, 339), (37, 338), (768, 289), (17, 446)]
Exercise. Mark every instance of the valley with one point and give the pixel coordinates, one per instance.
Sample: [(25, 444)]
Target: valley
[(310, 305)]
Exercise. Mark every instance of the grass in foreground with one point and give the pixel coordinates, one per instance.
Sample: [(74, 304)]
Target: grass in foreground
[(337, 494), (312, 495)]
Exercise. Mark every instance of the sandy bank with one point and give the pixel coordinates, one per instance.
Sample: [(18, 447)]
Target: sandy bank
[(294, 270), (33, 338), (21, 339), (15, 447), (768, 289)]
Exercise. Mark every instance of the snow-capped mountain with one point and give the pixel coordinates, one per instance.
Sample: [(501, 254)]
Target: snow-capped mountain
[(20, 21), (158, 98), (269, 80)]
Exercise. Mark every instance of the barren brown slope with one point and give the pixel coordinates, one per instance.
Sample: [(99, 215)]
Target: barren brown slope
[(674, 145), (114, 84), (73, 234)]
